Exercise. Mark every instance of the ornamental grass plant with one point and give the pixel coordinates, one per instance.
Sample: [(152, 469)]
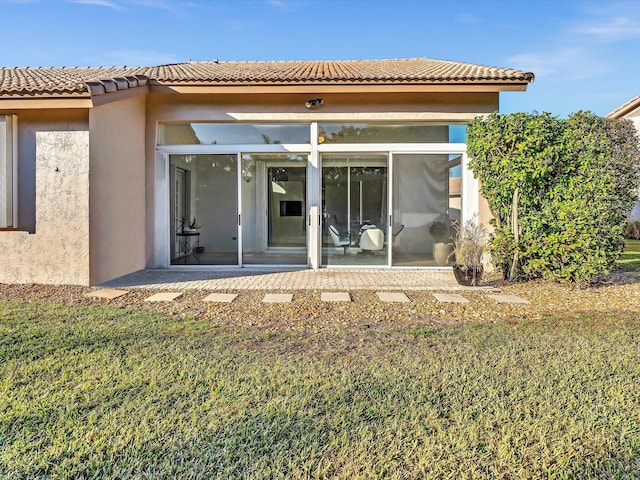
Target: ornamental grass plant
[(469, 243)]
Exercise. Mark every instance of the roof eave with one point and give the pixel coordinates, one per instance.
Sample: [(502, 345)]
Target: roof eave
[(626, 108), (333, 87)]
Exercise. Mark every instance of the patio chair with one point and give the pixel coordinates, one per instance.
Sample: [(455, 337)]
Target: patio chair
[(372, 239), (340, 240)]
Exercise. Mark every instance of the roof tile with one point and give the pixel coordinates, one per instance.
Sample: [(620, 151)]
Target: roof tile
[(82, 81)]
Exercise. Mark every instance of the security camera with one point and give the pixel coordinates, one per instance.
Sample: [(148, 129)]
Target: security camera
[(314, 102)]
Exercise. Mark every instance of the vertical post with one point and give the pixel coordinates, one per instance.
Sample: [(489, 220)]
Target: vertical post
[(314, 201), (470, 191), (162, 230)]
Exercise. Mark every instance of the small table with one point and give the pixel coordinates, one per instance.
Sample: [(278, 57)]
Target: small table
[(189, 245)]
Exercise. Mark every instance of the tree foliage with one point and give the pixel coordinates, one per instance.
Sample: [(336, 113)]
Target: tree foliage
[(560, 191)]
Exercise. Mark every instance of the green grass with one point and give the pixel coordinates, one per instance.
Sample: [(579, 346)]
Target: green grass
[(629, 261), (110, 393)]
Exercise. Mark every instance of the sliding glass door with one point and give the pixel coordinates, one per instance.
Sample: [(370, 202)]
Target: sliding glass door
[(354, 209), (424, 205), (274, 209), (377, 209), (204, 213)]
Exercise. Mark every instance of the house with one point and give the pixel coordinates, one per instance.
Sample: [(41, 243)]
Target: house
[(101, 169), (631, 111)]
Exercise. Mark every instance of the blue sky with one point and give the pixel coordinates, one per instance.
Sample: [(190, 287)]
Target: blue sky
[(584, 53)]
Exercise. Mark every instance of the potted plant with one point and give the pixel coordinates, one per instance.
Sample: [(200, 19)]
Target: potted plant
[(188, 224), (441, 234), (469, 243)]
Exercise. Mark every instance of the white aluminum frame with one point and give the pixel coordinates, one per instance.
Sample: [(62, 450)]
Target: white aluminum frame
[(469, 188)]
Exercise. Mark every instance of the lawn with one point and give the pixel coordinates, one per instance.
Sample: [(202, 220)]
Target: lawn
[(103, 392), (629, 261)]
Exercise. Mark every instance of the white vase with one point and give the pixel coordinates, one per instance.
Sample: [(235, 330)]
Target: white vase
[(441, 253)]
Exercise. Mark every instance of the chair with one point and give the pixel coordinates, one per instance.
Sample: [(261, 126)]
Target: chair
[(394, 235), (340, 240), (372, 239)]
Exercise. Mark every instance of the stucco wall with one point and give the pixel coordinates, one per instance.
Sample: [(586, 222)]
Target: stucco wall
[(30, 122), (58, 252), (117, 188)]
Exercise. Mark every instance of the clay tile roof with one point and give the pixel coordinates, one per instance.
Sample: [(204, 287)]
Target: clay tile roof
[(21, 82), (65, 81), (412, 70)]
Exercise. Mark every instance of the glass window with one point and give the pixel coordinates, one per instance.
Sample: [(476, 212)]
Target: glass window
[(386, 133), (232, 133), (8, 171), (457, 134)]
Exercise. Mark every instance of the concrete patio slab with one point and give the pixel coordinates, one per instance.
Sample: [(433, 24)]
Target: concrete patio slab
[(450, 298), (107, 293), (508, 299), (277, 298), (335, 297), (220, 297), (274, 279), (163, 297), (392, 297)]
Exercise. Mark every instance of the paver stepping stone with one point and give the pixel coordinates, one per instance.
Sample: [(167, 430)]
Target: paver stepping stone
[(163, 297), (220, 297), (508, 299), (277, 298), (335, 297), (392, 297), (450, 298), (108, 293)]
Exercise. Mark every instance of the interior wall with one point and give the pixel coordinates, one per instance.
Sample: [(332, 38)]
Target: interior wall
[(117, 188)]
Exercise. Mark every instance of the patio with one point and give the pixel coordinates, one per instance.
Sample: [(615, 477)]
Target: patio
[(288, 279)]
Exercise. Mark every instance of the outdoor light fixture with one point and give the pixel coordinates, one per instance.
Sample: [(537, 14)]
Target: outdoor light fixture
[(314, 103)]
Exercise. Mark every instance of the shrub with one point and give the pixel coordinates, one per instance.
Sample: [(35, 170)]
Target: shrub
[(560, 191)]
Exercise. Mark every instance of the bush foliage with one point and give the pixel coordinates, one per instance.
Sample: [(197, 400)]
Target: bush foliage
[(560, 191)]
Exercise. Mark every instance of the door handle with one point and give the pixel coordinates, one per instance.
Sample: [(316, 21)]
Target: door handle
[(239, 222)]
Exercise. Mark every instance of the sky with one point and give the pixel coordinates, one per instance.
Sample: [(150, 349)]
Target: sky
[(584, 54)]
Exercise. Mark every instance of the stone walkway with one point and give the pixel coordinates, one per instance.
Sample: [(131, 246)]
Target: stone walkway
[(386, 297), (333, 284)]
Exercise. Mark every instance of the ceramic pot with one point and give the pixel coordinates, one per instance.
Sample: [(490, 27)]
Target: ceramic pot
[(469, 276)]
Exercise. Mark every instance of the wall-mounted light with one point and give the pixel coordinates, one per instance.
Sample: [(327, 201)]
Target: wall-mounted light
[(314, 102)]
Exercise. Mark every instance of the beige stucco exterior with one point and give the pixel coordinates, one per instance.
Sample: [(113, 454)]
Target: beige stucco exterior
[(58, 251), (116, 189), (89, 176)]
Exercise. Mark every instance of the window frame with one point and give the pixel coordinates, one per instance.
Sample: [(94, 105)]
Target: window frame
[(9, 172)]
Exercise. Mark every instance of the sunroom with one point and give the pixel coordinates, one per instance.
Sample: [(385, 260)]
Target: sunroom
[(311, 194)]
